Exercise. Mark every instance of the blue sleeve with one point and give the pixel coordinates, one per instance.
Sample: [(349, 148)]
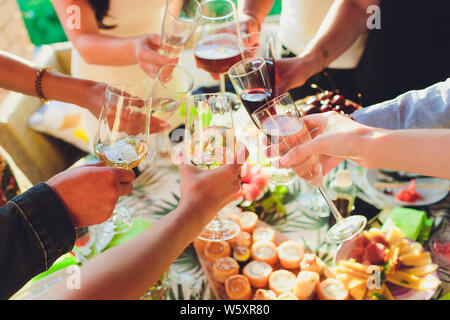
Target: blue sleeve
[(427, 108), (35, 229)]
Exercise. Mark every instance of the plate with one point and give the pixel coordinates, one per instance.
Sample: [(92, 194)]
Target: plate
[(429, 196), (399, 293)]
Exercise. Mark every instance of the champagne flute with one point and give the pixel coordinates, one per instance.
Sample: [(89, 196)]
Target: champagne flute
[(122, 139), (250, 79), (173, 83), (210, 142), (216, 39), (179, 22), (281, 122)]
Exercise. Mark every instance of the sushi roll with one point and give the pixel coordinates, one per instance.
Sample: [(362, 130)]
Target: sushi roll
[(264, 234), (262, 294), (332, 289), (217, 249), (290, 253), (225, 267), (311, 262), (264, 251), (238, 287), (235, 218), (281, 281), (258, 273), (242, 239), (241, 255), (305, 284), (248, 221), (287, 295)]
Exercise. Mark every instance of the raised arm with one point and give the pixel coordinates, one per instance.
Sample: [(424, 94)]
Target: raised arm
[(128, 270), (344, 23), (17, 74), (422, 151), (97, 48)]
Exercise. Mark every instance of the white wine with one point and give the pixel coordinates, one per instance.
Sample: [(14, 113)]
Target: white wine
[(126, 153), (171, 47), (212, 147)]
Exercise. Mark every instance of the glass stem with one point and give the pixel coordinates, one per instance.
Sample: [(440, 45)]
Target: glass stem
[(330, 203), (215, 225), (222, 82)]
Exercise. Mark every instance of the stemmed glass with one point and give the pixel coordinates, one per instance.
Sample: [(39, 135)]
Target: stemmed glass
[(281, 122), (122, 139), (250, 79), (260, 44), (210, 142), (179, 22), (216, 39), (173, 83)]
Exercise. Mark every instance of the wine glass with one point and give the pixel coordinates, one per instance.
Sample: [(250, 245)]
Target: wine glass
[(281, 122), (173, 83), (210, 142), (260, 44), (216, 38), (122, 139), (250, 79), (179, 22)]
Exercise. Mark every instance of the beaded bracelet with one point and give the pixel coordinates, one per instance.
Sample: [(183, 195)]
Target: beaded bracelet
[(38, 84)]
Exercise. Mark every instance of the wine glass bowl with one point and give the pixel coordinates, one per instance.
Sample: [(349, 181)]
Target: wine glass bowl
[(122, 138), (179, 22), (216, 39)]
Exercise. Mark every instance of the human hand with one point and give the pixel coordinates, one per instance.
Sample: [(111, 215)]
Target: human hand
[(147, 55), (334, 138), (293, 72), (208, 191), (90, 192)]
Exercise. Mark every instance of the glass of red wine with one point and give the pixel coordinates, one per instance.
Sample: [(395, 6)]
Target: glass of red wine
[(260, 44), (250, 79), (216, 38), (280, 121)]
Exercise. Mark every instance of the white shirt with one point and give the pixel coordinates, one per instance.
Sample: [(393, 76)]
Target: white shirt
[(299, 22), (132, 18)]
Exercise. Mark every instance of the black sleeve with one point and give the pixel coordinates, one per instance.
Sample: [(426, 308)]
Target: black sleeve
[(35, 229)]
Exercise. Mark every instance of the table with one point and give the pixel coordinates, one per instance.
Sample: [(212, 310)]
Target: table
[(156, 193)]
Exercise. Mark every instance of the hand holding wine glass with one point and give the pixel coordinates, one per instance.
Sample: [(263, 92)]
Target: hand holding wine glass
[(285, 129), (210, 143), (122, 138)]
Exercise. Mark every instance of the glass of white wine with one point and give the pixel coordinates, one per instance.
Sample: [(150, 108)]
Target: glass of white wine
[(122, 139), (210, 142)]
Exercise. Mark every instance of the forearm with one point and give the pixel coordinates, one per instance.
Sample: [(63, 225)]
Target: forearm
[(135, 265), (258, 8), (344, 23), (427, 108), (106, 50), (35, 230), (420, 151), (19, 75)]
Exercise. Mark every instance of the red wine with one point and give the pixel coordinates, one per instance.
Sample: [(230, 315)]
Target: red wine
[(284, 133), (218, 53), (270, 63), (252, 99)]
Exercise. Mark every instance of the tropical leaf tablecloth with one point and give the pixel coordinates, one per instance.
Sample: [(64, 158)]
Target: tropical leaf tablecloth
[(156, 193)]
